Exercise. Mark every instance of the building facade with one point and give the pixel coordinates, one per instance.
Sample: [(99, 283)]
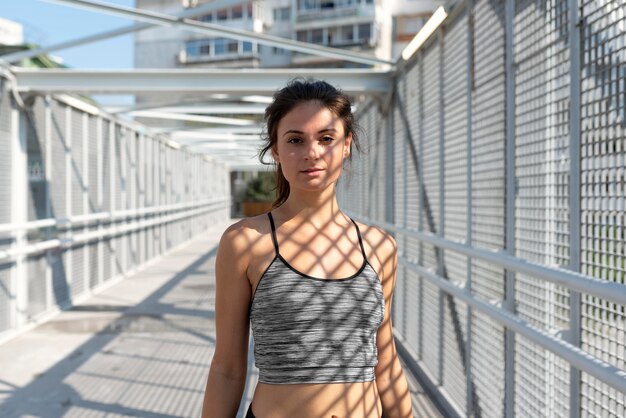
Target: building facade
[(377, 27)]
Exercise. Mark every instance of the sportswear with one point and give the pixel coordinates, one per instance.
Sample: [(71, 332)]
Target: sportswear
[(313, 330)]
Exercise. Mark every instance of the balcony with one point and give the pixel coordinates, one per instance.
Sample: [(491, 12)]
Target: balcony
[(309, 11)]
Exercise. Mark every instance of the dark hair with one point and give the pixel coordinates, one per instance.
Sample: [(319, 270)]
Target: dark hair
[(298, 91)]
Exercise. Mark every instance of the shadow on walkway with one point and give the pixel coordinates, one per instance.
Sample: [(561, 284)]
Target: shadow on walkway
[(142, 347)]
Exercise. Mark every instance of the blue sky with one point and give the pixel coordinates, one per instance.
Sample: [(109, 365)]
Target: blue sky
[(47, 23)]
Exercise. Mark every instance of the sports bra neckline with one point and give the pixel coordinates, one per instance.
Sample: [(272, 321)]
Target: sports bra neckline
[(287, 264)]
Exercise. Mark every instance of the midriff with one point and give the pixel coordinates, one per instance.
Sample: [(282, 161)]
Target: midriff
[(343, 400)]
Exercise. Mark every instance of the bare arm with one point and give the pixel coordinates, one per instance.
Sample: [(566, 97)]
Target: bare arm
[(227, 374), (390, 380)]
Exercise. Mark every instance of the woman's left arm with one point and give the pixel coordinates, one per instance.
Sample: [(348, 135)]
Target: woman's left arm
[(390, 380)]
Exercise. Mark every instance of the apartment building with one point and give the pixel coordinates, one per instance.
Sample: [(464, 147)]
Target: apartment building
[(377, 27)]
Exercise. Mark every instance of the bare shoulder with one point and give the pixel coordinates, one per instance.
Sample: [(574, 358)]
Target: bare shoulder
[(244, 242), (380, 241), (241, 235), (382, 248)]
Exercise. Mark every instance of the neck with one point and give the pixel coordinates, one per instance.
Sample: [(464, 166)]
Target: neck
[(317, 208)]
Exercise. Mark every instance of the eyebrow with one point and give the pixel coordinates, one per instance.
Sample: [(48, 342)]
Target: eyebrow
[(294, 131)]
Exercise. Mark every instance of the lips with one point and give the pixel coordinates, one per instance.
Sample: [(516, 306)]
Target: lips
[(311, 170)]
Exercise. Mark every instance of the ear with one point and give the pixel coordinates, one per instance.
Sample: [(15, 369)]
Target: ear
[(347, 143), (275, 154)]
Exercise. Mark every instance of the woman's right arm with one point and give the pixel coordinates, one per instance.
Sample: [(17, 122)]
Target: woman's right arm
[(227, 375)]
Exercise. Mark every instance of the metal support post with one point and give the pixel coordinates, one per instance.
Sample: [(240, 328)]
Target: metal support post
[(509, 298), (47, 123), (421, 200), (69, 211), (440, 258), (85, 186), (112, 207), (469, 392), (390, 202), (405, 205), (574, 194), (100, 196), (18, 198)]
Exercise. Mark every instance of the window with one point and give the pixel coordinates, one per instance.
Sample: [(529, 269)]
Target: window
[(206, 18), (237, 12), (410, 25), (302, 36), (282, 14), (247, 46), (205, 48), (222, 14), (249, 8), (317, 36), (307, 5), (233, 46), (198, 47), (347, 33), (278, 51), (192, 48), (365, 31), (220, 46)]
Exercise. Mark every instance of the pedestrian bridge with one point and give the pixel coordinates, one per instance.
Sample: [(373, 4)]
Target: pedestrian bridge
[(493, 153)]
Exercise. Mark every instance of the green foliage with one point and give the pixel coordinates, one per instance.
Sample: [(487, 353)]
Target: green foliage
[(261, 188)]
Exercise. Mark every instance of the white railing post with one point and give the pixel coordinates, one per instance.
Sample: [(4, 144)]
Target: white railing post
[(511, 191), (573, 336), (19, 195)]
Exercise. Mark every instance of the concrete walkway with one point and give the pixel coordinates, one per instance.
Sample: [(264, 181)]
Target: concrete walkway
[(140, 348)]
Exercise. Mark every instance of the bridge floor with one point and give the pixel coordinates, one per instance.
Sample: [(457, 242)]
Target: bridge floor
[(141, 347)]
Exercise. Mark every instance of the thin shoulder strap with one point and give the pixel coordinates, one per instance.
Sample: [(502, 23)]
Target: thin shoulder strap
[(273, 231), (360, 240)]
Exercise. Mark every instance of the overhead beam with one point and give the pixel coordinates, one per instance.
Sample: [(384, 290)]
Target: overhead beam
[(232, 109), (250, 81), (215, 137), (150, 114), (218, 30), (177, 131)]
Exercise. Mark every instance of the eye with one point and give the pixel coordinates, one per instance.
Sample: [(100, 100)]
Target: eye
[(293, 139), (328, 138)]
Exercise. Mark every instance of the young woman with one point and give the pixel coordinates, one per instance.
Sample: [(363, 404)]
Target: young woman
[(314, 285)]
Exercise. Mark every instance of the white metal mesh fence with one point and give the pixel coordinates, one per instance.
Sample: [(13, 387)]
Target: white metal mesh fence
[(106, 198), (485, 153)]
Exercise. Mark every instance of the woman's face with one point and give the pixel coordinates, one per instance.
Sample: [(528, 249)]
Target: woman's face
[(310, 136)]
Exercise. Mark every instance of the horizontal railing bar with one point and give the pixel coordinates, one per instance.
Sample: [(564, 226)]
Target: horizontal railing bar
[(614, 292), (91, 218), (34, 248), (575, 356)]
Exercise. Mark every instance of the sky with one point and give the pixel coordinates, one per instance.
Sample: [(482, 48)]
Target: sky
[(47, 23)]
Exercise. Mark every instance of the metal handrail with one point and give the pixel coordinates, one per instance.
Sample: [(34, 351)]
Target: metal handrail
[(8, 255), (92, 218), (612, 291), (577, 357)]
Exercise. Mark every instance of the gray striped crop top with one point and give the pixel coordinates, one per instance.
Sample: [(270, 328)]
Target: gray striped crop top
[(312, 330)]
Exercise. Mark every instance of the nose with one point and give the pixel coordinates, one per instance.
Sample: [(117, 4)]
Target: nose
[(313, 150)]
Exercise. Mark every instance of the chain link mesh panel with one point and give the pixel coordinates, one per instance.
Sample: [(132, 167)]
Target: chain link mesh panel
[(430, 152), (488, 191), (541, 146), (83, 164), (455, 198), (603, 232), (432, 328)]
